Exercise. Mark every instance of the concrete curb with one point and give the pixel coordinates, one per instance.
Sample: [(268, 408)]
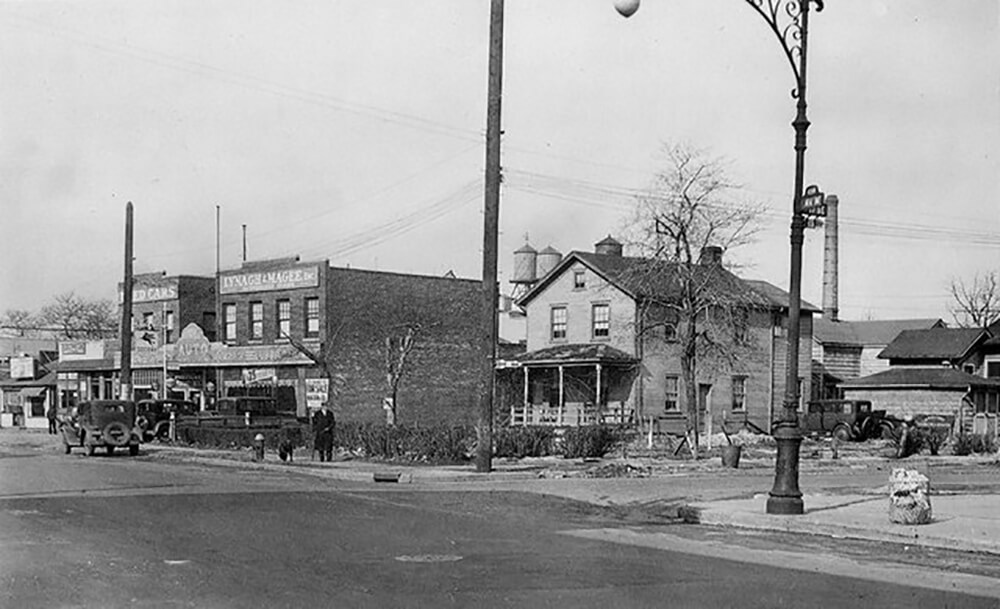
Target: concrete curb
[(816, 523)]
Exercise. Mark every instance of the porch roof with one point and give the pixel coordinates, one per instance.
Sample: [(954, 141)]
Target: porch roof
[(587, 353)]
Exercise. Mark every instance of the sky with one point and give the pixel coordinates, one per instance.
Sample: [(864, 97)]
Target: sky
[(354, 132)]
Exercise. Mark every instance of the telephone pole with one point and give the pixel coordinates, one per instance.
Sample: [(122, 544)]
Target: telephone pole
[(491, 216), (126, 338)]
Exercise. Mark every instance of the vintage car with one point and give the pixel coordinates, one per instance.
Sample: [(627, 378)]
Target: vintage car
[(847, 420), (245, 411), (107, 423), (153, 416)]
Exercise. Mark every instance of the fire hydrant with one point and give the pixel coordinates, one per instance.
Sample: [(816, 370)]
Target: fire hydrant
[(258, 447)]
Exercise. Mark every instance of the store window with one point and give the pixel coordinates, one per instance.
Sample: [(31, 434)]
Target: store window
[(284, 319), (229, 315), (256, 320), (312, 317)]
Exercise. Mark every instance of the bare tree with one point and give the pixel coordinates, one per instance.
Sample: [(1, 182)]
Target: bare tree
[(397, 350), (20, 321), (976, 303), (693, 208), (324, 357), (77, 317)]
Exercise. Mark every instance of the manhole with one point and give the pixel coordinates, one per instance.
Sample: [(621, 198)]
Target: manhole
[(429, 558)]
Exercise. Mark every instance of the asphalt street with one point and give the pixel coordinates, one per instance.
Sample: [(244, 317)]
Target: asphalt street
[(124, 532)]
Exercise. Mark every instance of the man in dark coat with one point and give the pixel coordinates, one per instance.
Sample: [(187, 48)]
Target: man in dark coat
[(323, 425), (53, 423)]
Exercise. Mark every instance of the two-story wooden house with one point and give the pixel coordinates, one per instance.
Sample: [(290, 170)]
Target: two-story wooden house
[(591, 355)]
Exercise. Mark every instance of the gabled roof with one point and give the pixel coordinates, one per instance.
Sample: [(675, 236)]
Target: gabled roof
[(631, 276), (777, 297), (870, 333), (934, 343), (920, 378)]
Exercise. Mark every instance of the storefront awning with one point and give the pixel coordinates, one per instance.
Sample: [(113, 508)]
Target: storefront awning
[(32, 392)]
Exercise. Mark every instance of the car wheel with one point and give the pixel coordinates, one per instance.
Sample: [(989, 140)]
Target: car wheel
[(842, 433), (115, 433), (133, 449)]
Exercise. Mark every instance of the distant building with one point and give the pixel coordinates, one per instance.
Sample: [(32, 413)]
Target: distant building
[(27, 386), (950, 372), (844, 350)]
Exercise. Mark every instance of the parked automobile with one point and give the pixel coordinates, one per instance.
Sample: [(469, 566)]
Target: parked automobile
[(847, 420), (107, 423), (153, 416), (245, 410)]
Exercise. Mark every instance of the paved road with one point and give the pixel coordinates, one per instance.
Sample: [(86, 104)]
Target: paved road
[(123, 532)]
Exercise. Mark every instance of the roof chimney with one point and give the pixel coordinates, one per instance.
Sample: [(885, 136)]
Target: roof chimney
[(830, 298), (710, 254), (608, 246)]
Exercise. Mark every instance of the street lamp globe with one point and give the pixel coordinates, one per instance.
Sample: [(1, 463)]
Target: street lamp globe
[(626, 8)]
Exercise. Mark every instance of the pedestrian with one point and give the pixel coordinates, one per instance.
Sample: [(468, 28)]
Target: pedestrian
[(323, 424), (53, 427)]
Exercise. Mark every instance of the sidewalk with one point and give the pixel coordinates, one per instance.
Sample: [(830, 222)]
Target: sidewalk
[(967, 522)]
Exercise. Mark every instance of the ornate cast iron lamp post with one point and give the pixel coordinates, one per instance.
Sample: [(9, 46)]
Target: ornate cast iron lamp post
[(789, 20)]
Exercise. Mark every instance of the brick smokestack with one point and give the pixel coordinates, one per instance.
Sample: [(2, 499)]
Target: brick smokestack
[(831, 304)]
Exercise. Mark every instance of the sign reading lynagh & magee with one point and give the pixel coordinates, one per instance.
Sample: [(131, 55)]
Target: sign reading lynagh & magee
[(288, 278)]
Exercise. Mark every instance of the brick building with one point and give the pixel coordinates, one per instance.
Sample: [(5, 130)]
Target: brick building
[(592, 353), (354, 316), (270, 313)]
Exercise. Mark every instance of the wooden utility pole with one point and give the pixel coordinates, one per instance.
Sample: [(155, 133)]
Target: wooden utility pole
[(126, 337), (491, 216)]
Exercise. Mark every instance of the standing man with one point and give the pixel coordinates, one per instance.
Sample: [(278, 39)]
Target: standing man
[(52, 418), (323, 425)]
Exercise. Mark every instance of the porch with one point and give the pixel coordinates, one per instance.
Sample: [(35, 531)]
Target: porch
[(575, 385)]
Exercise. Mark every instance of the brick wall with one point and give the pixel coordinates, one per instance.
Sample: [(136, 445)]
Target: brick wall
[(442, 373)]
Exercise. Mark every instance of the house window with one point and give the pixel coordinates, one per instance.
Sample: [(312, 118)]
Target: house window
[(992, 369), (602, 320), (968, 368), (256, 320), (672, 394), (170, 326), (739, 393), (312, 316), (558, 323), (229, 315), (284, 319), (579, 280)]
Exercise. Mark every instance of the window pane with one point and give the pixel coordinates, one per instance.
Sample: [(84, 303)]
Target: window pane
[(229, 313), (284, 318), (312, 316), (602, 316), (558, 322), (256, 320), (671, 394)]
